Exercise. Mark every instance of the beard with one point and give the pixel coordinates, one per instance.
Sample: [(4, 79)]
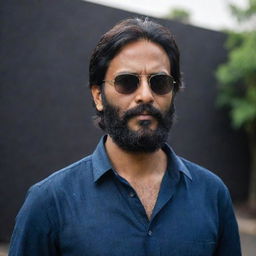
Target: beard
[(143, 140)]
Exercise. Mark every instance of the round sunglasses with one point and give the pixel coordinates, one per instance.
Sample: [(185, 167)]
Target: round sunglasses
[(128, 83)]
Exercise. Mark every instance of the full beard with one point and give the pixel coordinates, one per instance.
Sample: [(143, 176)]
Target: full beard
[(144, 140)]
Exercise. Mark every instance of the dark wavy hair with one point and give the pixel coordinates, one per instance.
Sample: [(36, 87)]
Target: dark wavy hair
[(127, 31)]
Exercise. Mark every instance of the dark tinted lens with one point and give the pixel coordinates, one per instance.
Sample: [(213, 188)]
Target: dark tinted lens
[(161, 84), (126, 83)]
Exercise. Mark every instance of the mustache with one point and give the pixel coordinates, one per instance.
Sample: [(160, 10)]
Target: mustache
[(141, 109)]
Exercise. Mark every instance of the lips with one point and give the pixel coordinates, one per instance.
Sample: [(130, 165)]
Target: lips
[(144, 116)]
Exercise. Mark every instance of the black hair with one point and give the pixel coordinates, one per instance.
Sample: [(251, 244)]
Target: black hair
[(127, 31)]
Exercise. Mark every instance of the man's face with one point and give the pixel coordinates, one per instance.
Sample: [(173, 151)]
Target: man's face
[(138, 121)]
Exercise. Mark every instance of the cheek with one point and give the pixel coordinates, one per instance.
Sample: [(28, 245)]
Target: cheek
[(165, 102), (120, 101)]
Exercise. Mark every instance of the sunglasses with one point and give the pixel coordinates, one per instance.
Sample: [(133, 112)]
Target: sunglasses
[(128, 83)]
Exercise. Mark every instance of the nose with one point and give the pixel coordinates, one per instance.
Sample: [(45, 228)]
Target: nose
[(144, 93)]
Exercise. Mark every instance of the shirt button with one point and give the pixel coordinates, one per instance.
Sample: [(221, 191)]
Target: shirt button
[(150, 233), (131, 194)]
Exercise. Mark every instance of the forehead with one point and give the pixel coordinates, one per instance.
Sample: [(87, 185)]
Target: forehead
[(141, 56)]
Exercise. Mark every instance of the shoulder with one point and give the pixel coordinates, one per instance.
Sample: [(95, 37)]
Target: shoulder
[(44, 195), (204, 179), (194, 174), (68, 174), (199, 172), (60, 182)]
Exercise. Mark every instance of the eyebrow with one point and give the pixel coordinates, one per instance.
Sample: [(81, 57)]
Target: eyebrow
[(137, 74)]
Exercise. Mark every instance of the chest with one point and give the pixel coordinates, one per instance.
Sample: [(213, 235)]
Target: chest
[(148, 194), (104, 223)]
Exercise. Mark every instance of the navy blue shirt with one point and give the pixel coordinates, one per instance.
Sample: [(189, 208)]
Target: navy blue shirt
[(87, 209)]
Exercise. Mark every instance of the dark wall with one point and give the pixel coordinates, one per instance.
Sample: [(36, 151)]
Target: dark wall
[(45, 105)]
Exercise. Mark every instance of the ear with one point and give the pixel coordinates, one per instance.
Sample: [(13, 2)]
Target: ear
[(96, 94)]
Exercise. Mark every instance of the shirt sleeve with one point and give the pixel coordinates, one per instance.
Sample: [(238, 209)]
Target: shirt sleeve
[(34, 232), (229, 240)]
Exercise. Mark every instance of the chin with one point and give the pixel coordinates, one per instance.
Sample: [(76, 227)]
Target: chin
[(143, 125)]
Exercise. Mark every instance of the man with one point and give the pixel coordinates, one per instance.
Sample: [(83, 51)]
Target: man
[(133, 195)]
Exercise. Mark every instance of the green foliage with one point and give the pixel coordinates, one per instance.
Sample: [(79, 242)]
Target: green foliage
[(244, 14), (179, 14), (237, 76)]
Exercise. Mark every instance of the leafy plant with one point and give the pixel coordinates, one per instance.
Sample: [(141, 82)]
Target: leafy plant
[(237, 78), (178, 14)]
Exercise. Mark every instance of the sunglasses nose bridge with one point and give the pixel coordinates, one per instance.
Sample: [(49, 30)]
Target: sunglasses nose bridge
[(144, 80), (144, 92)]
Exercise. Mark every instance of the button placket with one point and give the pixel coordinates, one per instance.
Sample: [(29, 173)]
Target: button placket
[(132, 194)]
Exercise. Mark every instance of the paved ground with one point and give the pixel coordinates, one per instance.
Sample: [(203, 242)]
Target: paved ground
[(247, 227), (247, 232), (3, 250), (248, 243)]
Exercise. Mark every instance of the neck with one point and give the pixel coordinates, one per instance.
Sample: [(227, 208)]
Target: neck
[(133, 164)]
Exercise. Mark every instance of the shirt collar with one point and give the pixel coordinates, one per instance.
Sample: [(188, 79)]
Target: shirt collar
[(101, 163), (175, 162)]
